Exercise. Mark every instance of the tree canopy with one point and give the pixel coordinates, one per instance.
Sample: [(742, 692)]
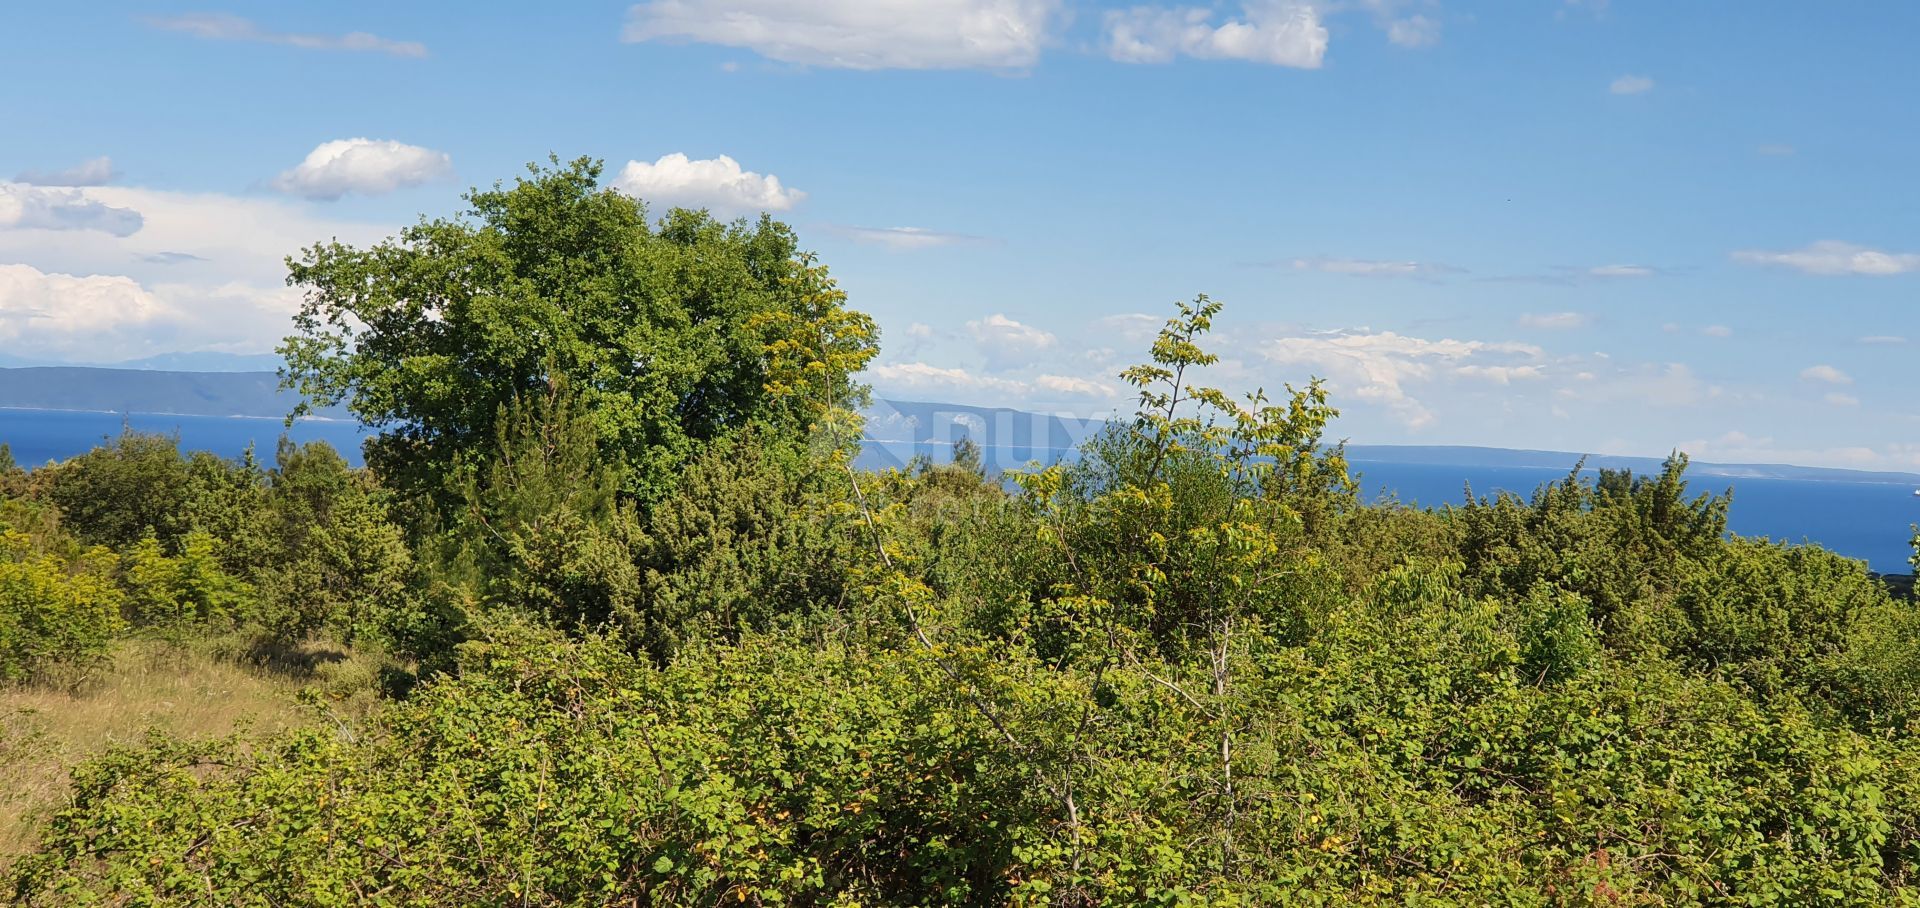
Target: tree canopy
[(662, 329)]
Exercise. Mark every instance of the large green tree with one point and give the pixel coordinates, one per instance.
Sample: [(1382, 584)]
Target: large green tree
[(663, 329)]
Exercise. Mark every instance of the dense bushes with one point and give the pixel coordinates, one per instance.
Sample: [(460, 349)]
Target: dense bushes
[(713, 664)]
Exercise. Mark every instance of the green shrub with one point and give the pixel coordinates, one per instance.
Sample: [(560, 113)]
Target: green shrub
[(53, 610)]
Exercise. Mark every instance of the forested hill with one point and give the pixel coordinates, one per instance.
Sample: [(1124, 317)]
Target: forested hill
[(897, 429)]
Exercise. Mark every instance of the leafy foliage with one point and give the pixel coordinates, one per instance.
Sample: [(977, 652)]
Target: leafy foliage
[(662, 329), (675, 649)]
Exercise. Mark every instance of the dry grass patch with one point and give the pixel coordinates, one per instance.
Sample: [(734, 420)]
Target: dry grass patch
[(191, 691)]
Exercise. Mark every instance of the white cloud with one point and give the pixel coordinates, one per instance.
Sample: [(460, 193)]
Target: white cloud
[(1377, 367), (222, 27), (717, 184), (1717, 331), (1555, 321), (1841, 400), (25, 207), (858, 34), (1009, 343), (1739, 447), (365, 166), (1073, 387), (1501, 375), (914, 377), (1631, 85), (208, 268), (1620, 271), (61, 315), (1131, 327), (1883, 339), (1375, 268), (91, 172), (1832, 257), (1413, 31), (1279, 32), (1827, 374), (903, 238)]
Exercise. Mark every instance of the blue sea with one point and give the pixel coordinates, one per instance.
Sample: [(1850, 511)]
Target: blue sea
[(1865, 520)]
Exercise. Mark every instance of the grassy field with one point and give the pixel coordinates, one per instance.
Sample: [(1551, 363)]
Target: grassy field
[(199, 690)]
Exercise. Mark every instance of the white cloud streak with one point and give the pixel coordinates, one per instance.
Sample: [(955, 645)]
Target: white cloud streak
[(1833, 258), (91, 172), (859, 34), (223, 27)]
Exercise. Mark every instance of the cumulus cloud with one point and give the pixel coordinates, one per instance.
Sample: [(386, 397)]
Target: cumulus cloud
[(1832, 257), (1376, 268), (1277, 32), (1555, 321), (364, 166), (223, 27), (902, 238), (60, 315), (717, 184), (858, 34), (26, 207), (203, 271), (1378, 367), (1631, 85), (1009, 343), (1826, 374), (92, 172)]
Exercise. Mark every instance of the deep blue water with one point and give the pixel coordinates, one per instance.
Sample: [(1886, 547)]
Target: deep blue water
[(1871, 521), (1864, 520), (37, 436)]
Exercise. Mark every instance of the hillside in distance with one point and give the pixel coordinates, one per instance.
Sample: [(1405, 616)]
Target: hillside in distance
[(897, 430)]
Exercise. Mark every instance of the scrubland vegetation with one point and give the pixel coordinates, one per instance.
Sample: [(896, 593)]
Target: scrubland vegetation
[(626, 628)]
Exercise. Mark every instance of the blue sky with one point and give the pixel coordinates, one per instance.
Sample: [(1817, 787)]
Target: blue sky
[(1610, 227)]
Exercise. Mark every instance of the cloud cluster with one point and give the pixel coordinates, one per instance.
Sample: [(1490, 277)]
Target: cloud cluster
[(27, 207), (1278, 32), (364, 167), (719, 184), (858, 34), (1377, 367), (91, 316), (1833, 257), (223, 27)]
